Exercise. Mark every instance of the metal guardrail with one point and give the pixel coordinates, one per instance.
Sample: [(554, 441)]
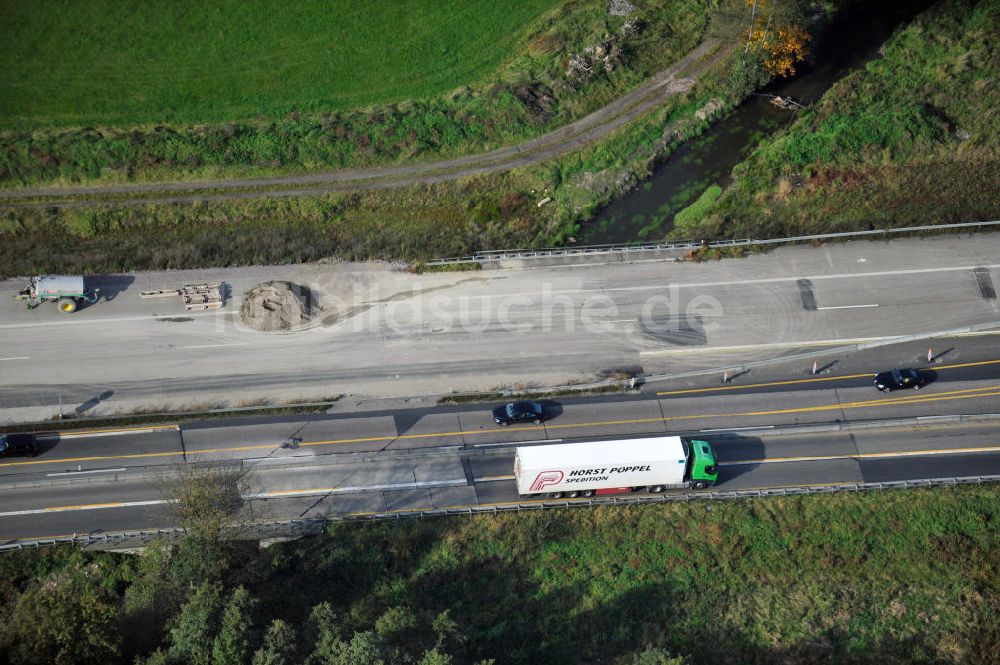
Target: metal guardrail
[(45, 427), (669, 498), (627, 248), (295, 528), (118, 540)]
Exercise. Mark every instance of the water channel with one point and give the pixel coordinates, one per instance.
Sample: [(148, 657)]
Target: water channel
[(647, 213)]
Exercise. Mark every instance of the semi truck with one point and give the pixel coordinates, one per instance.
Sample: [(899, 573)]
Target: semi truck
[(613, 467), (66, 290)]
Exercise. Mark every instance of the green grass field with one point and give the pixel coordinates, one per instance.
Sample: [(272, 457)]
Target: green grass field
[(116, 92), (64, 62)]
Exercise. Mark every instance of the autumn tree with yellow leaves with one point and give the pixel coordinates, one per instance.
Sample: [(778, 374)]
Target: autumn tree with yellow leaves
[(783, 41)]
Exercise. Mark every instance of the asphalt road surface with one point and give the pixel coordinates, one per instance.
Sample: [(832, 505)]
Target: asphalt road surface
[(793, 432), (387, 333)]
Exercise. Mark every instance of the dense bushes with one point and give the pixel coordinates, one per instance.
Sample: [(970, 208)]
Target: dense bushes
[(891, 577)]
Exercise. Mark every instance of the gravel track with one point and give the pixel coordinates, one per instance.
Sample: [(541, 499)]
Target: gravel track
[(674, 80)]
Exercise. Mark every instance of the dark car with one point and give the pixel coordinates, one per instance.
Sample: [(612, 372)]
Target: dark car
[(18, 444), (519, 412), (898, 379)]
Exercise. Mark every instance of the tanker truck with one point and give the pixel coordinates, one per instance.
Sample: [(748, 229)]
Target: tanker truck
[(614, 467), (66, 290)]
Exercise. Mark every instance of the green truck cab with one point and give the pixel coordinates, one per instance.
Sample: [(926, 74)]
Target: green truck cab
[(702, 467)]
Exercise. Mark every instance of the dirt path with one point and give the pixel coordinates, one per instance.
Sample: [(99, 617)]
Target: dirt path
[(674, 80)]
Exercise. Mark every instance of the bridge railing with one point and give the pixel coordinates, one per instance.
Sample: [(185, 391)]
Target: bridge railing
[(648, 247)]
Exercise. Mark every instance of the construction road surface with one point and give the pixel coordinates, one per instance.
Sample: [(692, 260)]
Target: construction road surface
[(386, 333)]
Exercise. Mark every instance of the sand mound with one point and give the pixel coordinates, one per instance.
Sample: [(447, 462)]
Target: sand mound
[(274, 306)]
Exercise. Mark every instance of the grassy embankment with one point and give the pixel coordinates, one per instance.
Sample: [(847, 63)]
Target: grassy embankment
[(174, 91), (896, 577), (913, 138)]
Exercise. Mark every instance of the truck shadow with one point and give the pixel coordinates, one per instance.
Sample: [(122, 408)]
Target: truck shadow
[(111, 286), (737, 455)]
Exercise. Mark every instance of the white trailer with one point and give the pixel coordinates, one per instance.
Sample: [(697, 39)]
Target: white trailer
[(609, 467)]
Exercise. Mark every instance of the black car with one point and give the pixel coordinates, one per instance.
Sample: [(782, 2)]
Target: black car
[(519, 412), (18, 444), (897, 379)]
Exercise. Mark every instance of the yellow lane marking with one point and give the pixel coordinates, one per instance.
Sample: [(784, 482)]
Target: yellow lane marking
[(953, 395), (968, 393), (690, 391), (899, 453), (86, 506), (978, 363), (312, 490), (95, 458), (80, 432)]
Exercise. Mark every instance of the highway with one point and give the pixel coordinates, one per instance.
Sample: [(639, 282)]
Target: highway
[(788, 432), (387, 333)]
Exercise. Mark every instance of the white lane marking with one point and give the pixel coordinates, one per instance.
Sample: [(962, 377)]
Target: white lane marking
[(93, 506), (116, 319), (95, 433), (514, 443), (848, 306), (17, 358), (737, 429), (279, 494), (863, 456), (493, 479), (666, 285), (214, 346), (768, 345), (815, 342), (80, 473), (778, 280)]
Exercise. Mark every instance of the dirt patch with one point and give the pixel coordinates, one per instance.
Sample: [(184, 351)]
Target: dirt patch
[(277, 306)]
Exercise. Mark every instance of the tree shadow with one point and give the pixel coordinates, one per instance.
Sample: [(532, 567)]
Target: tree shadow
[(92, 402)]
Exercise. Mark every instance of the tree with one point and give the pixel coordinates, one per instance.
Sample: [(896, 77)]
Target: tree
[(232, 644), (67, 618), (447, 631), (364, 648), (279, 645), (435, 657), (776, 28), (192, 636), (321, 632), (205, 501), (656, 656)]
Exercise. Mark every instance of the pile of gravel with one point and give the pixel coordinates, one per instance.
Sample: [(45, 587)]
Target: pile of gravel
[(276, 306)]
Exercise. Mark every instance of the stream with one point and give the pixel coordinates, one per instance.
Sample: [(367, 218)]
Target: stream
[(647, 212)]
